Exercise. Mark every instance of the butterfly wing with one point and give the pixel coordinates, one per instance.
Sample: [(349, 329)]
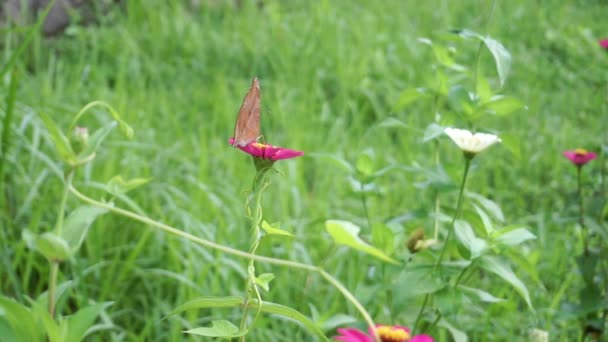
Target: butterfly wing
[(247, 127)]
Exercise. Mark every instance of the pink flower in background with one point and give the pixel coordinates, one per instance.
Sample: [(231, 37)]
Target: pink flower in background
[(386, 333), (604, 43), (579, 156), (267, 151)]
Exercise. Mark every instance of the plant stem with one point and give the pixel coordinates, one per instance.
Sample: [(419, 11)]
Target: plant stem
[(228, 250), (581, 210), (467, 164), (258, 187), (58, 228)]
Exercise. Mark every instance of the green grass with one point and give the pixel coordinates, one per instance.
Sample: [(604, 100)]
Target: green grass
[(331, 72)]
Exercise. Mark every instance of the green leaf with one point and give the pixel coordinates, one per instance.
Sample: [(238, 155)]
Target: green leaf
[(270, 230), (79, 322), (481, 294), (61, 142), (496, 266), (347, 234), (76, 226), (490, 206), (407, 97), (514, 237), (208, 302), (219, 328), (432, 131), (414, 282), (502, 105), (457, 335), (502, 58), (53, 332), (383, 237), (365, 162), (466, 235), (52, 246), (284, 311), (263, 280), (392, 123), (21, 320), (118, 186)]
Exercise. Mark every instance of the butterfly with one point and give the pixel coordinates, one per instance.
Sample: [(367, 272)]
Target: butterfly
[(247, 127)]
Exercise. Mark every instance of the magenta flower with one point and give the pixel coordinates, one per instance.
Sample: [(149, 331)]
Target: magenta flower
[(267, 151), (579, 156), (604, 43), (386, 333)]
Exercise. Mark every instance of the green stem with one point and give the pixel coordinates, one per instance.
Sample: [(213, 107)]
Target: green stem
[(228, 250), (467, 164), (258, 187), (581, 210), (58, 229)]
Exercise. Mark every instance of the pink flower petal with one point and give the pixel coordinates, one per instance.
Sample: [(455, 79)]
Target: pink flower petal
[(422, 338), (267, 151), (604, 43), (352, 335), (580, 157)]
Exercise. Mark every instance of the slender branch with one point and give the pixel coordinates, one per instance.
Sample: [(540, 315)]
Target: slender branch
[(58, 228), (228, 250)]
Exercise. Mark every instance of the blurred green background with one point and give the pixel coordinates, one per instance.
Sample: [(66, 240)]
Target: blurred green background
[(331, 73)]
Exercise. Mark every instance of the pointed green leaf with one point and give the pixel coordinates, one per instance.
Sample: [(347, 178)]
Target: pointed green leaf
[(392, 123), (414, 282), (263, 280), (502, 58), (407, 97), (53, 332), (347, 234), (383, 237), (432, 131), (466, 236), (365, 162), (490, 206), (274, 231), (284, 311), (497, 267), (219, 328), (208, 302), (52, 246), (79, 322), (77, 225), (118, 186), (21, 320), (61, 142), (481, 294), (514, 237), (502, 105)]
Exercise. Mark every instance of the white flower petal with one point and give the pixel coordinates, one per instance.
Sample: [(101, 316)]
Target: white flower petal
[(469, 142)]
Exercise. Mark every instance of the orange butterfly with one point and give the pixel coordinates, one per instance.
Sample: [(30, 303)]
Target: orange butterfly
[(247, 127)]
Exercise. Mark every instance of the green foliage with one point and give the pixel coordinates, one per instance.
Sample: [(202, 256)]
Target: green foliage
[(354, 86)]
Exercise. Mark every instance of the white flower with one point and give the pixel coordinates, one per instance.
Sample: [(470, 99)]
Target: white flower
[(537, 335), (469, 142)]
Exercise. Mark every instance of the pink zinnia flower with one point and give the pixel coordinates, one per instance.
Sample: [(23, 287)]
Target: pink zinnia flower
[(579, 156), (386, 333), (267, 151), (604, 43)]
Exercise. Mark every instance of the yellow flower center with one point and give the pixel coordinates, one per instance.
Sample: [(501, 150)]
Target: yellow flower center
[(580, 151), (392, 334)]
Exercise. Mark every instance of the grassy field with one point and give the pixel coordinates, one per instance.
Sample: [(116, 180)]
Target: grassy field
[(332, 76)]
